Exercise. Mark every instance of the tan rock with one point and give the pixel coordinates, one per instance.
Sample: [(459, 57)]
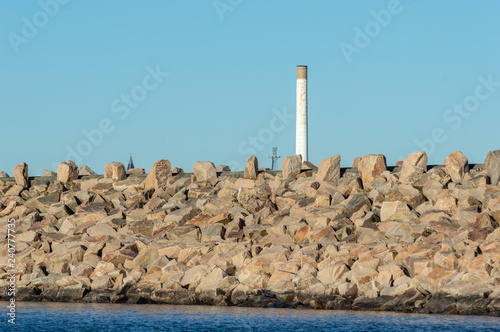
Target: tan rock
[(363, 275), (355, 203), (102, 269), (413, 167), (27, 236), (291, 166), (115, 170), (159, 174), (370, 167), (8, 209), (100, 230), (146, 258), (136, 171), (301, 234), (492, 166), (329, 169), (411, 195), (396, 210), (212, 280), (46, 172), (20, 173), (348, 290), (205, 171), (355, 163), (456, 165), (222, 168), (102, 282), (67, 172), (323, 200), (307, 165), (446, 259), (193, 276), (251, 168), (446, 202), (85, 170), (432, 190), (332, 273)]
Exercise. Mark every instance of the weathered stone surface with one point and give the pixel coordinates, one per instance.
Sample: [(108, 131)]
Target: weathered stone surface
[(222, 168), (20, 173), (329, 169), (251, 168), (205, 171), (115, 170), (396, 210), (492, 166), (85, 170), (158, 176), (291, 166), (48, 173), (413, 167), (136, 171), (356, 161), (67, 171), (332, 273), (3, 174), (456, 165), (100, 230), (308, 165), (370, 167)]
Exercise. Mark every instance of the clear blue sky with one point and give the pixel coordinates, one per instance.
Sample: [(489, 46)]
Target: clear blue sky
[(232, 67)]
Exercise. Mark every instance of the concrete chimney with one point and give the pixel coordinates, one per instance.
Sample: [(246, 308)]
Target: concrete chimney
[(301, 125)]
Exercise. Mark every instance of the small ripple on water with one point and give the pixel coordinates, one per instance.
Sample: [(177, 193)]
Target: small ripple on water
[(120, 317)]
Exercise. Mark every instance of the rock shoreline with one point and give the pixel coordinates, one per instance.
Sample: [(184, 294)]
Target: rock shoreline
[(410, 239)]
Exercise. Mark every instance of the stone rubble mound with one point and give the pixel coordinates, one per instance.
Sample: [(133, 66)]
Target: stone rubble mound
[(409, 238)]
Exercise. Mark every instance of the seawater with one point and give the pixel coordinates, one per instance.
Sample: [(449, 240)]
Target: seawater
[(54, 317)]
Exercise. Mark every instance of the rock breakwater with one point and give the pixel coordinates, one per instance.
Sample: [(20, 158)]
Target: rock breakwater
[(408, 239)]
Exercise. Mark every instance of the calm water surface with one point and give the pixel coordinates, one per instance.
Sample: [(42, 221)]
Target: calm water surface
[(117, 317)]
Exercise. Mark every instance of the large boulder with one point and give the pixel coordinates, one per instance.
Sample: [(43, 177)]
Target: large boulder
[(3, 174), (413, 167), (492, 165), (205, 171), (456, 165), (67, 171), (370, 167), (329, 169), (21, 175), (251, 168), (159, 174), (115, 170), (291, 166)]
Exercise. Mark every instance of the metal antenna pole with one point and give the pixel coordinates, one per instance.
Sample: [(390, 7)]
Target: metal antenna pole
[(274, 158)]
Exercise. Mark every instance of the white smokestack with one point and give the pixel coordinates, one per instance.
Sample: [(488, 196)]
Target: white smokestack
[(301, 126)]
